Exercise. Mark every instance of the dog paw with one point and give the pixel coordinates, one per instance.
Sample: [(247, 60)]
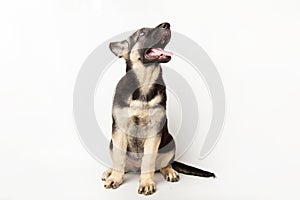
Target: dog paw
[(114, 180), (147, 188), (170, 175), (106, 174)]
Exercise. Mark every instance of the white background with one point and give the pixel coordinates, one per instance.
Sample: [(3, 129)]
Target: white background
[(254, 44)]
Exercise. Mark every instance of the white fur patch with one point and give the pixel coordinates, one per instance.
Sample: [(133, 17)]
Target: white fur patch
[(150, 116)]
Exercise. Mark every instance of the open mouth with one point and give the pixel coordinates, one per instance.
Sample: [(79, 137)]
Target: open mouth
[(158, 54)]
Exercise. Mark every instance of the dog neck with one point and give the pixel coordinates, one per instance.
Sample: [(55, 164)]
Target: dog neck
[(147, 76)]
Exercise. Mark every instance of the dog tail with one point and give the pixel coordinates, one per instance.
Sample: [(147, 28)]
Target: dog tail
[(189, 170)]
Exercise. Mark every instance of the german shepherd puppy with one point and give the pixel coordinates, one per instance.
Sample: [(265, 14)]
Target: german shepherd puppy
[(141, 141)]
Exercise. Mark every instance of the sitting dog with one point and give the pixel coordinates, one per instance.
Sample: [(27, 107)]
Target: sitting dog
[(141, 141)]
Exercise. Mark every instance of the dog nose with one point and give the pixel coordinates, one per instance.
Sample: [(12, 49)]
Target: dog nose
[(165, 25)]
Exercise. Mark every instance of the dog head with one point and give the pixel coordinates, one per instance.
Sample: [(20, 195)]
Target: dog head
[(145, 46)]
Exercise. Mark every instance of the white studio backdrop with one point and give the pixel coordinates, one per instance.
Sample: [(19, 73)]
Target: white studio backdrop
[(255, 46)]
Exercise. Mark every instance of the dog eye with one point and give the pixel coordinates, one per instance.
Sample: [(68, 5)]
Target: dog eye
[(142, 33)]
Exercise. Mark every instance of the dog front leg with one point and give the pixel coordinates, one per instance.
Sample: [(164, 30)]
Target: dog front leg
[(147, 184), (116, 177)]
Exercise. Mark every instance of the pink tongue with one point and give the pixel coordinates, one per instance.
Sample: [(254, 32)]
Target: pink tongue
[(159, 52)]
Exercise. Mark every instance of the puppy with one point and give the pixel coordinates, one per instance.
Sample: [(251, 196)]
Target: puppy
[(141, 141)]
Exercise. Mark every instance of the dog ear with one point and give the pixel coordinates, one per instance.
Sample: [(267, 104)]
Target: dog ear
[(119, 48)]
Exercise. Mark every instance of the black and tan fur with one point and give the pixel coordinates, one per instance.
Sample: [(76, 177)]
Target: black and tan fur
[(141, 141)]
